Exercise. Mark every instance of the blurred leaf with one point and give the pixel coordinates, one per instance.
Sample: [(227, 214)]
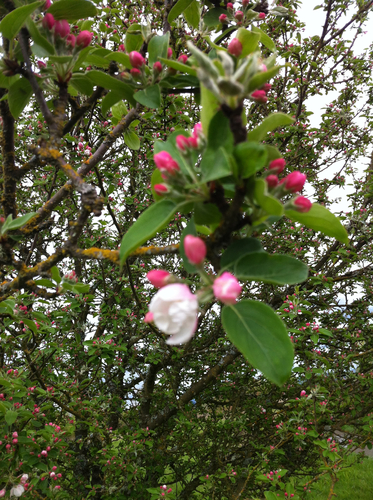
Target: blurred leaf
[(13, 22), (72, 10), (150, 97), (178, 9)]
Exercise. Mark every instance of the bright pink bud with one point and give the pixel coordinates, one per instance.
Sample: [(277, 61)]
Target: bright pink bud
[(295, 181), (136, 73), (41, 64), (44, 453), (245, 3), (266, 87), (226, 288), (48, 22), (70, 40), (2, 493), (15, 434), (169, 490), (182, 143), (259, 96), (261, 15), (264, 68), (160, 189), (121, 48), (165, 162), (197, 129), (277, 165), (230, 5), (272, 181), (235, 47), (303, 393), (302, 204), (169, 52), (223, 18), (84, 39), (15, 441), (136, 59), (195, 249), (183, 58), (238, 15), (149, 317), (157, 67), (47, 4), (62, 28), (158, 277)]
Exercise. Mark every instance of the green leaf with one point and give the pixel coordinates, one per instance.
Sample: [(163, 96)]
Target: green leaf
[(13, 22), (210, 105), (249, 41), (237, 250), (250, 157), (56, 274), (20, 221), (109, 100), (274, 269), (38, 38), (81, 288), (257, 331), (219, 132), (82, 84), (259, 79), (119, 110), (96, 60), (265, 39), (45, 282), (30, 324), (320, 219), (10, 417), (19, 96), (157, 48), (72, 10), (178, 9), (6, 81), (270, 123), (109, 82), (266, 201), (146, 226), (131, 139), (215, 164), (192, 15), (134, 38), (150, 97), (189, 229), (269, 495), (184, 68), (211, 18), (121, 58), (206, 214)]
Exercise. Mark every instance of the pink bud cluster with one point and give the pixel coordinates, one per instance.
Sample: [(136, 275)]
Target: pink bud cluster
[(61, 29), (184, 143)]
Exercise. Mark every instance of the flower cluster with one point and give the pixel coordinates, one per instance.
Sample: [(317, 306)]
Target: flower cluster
[(239, 16)]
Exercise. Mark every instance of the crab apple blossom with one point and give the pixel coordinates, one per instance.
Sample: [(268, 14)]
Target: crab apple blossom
[(239, 15), (226, 288), (277, 166), (174, 310), (48, 22), (223, 18), (2, 493), (84, 39), (272, 181), (259, 96), (136, 59), (195, 249), (17, 491), (165, 163), (149, 317), (70, 40), (158, 277), (261, 15), (294, 182), (182, 143), (235, 47), (183, 58), (157, 67), (302, 204), (160, 189), (62, 28)]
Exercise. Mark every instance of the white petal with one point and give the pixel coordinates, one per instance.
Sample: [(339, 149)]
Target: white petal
[(185, 333)]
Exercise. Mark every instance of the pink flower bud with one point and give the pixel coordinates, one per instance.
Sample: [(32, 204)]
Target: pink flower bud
[(48, 22), (24, 478), (149, 317), (136, 59), (169, 53), (183, 58), (54, 467), (158, 277), (302, 204), (160, 189), (277, 165), (169, 490), (303, 393), (261, 15), (294, 182), (136, 73), (223, 18), (2, 493), (47, 4), (235, 47), (121, 48), (266, 87), (272, 181), (239, 15), (70, 40), (157, 67), (15, 441), (41, 65), (44, 453), (195, 249), (84, 39), (245, 3), (230, 6), (182, 143), (165, 163), (259, 96), (62, 28), (15, 434), (226, 288)]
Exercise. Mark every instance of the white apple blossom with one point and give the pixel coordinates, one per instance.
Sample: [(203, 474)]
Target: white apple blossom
[(174, 310), (17, 491)]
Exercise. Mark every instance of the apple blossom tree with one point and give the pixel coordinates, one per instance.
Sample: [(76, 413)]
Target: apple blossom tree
[(183, 314)]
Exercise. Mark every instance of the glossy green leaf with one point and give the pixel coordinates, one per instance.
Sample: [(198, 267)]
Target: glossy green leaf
[(206, 214), (268, 124), (192, 14), (13, 22), (257, 331), (237, 250), (134, 38), (30, 324), (10, 417), (249, 41), (131, 139), (81, 83), (259, 79), (56, 274), (7, 81), (146, 226), (210, 105), (96, 60), (265, 39), (211, 18), (121, 58), (215, 164), (45, 282), (250, 157), (150, 97), (38, 38), (72, 10), (320, 219), (183, 68), (81, 288), (18, 96), (109, 82), (274, 269), (109, 100), (157, 48), (266, 201), (219, 132), (119, 110), (178, 9), (20, 221)]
